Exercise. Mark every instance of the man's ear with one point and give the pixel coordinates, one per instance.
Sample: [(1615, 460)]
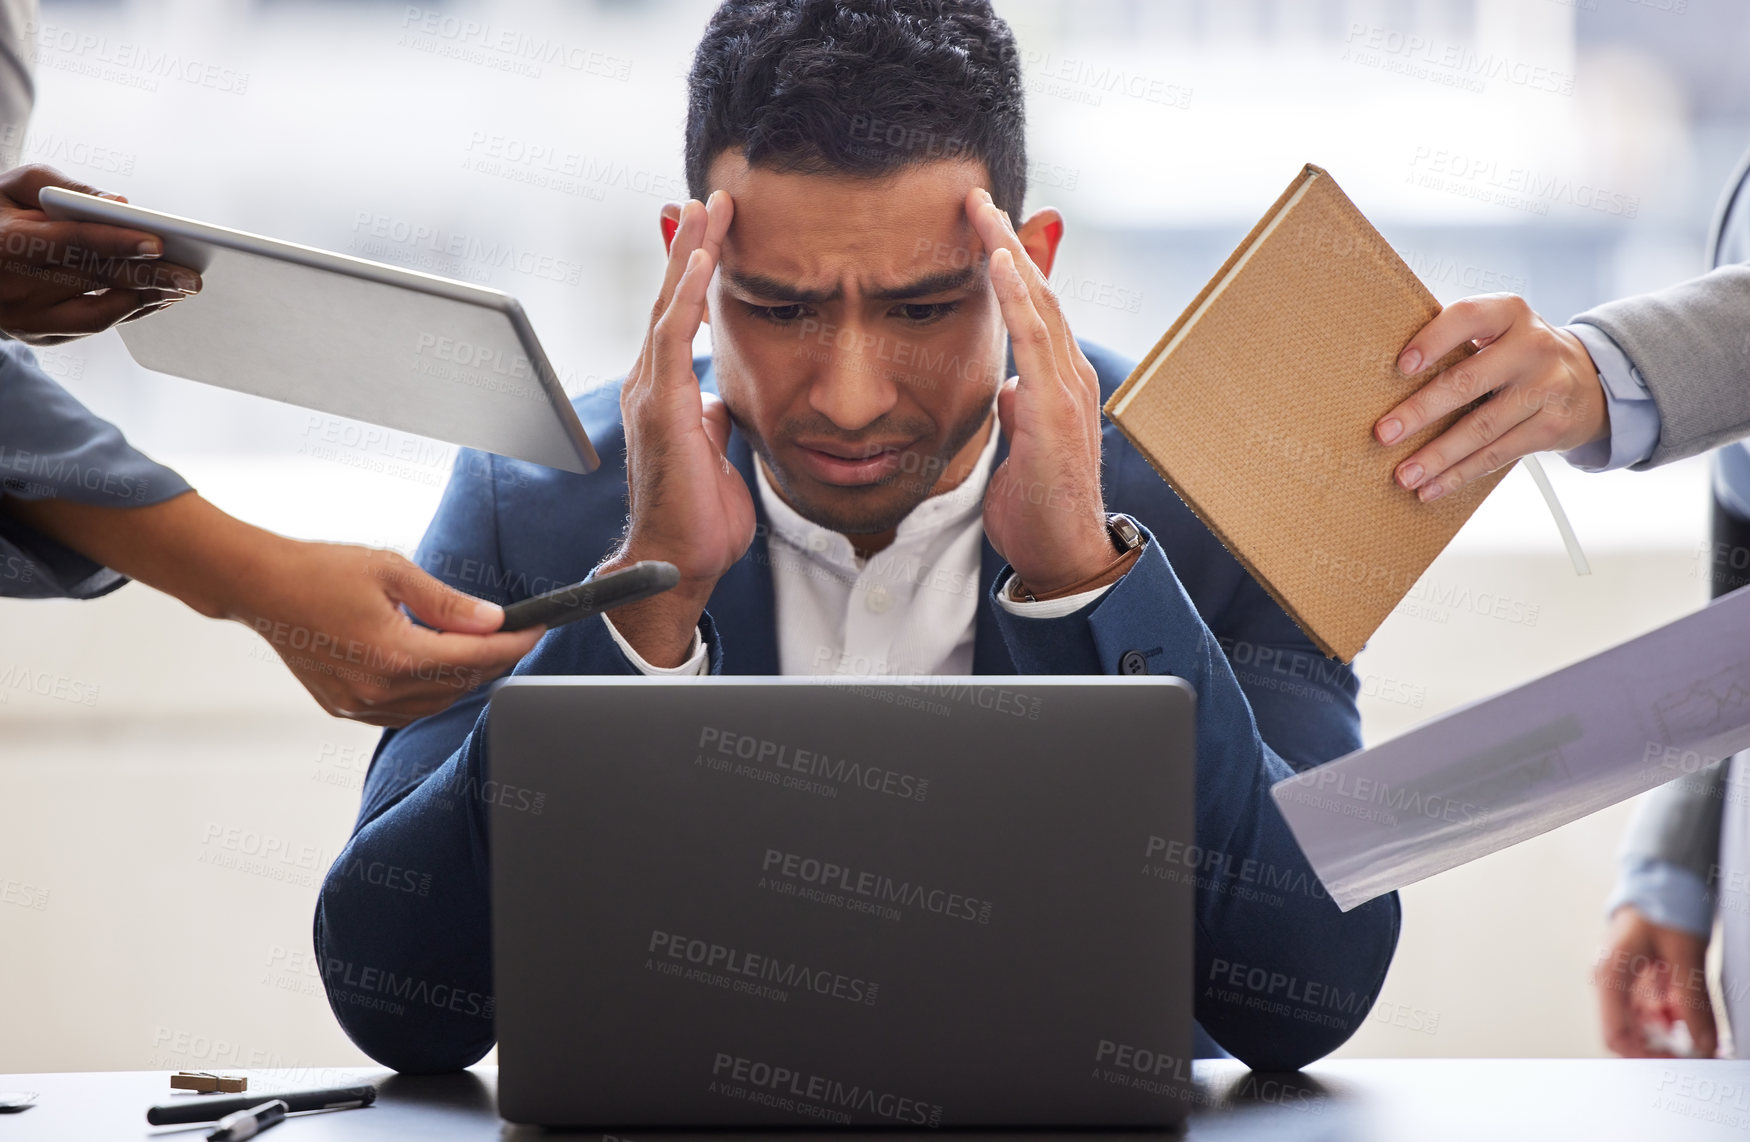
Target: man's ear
[(1040, 234)]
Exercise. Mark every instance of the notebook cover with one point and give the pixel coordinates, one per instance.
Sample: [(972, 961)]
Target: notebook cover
[(1261, 419)]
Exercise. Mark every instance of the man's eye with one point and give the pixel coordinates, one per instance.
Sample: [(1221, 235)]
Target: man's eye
[(779, 314), (921, 314)]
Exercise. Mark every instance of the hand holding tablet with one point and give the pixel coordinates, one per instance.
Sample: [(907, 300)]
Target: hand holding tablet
[(64, 279), (350, 337)]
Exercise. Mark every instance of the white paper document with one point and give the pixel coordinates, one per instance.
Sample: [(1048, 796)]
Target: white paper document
[(1496, 772)]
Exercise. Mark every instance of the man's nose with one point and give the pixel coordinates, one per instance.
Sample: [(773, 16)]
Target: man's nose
[(854, 383)]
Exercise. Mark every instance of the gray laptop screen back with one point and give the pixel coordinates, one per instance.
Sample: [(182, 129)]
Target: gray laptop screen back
[(803, 903)]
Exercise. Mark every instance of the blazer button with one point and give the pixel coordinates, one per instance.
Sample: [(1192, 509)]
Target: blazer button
[(1133, 663)]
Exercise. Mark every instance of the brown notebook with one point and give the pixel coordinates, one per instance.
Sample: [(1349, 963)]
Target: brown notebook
[(1258, 408)]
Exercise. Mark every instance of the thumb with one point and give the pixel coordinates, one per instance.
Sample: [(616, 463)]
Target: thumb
[(439, 605), (1006, 406), (715, 420)]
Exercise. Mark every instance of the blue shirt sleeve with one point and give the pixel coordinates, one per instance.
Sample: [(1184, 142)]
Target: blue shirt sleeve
[(53, 447), (1634, 417), (1667, 894)]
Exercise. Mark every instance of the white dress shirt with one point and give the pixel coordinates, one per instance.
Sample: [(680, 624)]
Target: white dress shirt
[(909, 609)]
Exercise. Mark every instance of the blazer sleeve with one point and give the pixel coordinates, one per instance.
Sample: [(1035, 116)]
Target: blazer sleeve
[(1283, 976), (1691, 342), (403, 929), (53, 447)]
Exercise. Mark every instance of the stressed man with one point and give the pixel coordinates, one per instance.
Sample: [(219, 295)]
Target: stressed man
[(892, 463)]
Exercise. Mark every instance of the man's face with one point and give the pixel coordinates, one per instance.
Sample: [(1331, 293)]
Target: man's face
[(856, 338)]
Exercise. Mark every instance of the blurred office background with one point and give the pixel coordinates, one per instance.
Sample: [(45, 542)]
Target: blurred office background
[(170, 799)]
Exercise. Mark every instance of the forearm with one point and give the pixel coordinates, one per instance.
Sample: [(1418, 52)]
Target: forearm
[(184, 546), (402, 926)]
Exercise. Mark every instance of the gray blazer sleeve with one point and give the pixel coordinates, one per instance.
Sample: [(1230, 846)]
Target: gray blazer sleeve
[(1691, 342), (53, 447), (1679, 823)]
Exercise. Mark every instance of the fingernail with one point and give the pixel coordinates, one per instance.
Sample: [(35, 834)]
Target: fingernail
[(1390, 430), (1432, 492), (486, 610), (1410, 363), (187, 283), (149, 248), (1410, 475), (984, 195)]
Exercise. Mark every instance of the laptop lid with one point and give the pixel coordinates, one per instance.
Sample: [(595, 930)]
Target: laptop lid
[(847, 902)]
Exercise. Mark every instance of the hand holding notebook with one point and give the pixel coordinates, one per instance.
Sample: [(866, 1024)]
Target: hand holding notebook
[(1258, 406)]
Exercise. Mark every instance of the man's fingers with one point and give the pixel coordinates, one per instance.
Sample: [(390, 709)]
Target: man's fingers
[(688, 236), (672, 339), (997, 232), (1477, 435), (1029, 336)]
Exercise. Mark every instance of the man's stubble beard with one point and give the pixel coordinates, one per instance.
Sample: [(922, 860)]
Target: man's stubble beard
[(876, 518)]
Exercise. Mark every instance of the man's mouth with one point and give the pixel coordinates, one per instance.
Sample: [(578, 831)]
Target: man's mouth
[(850, 465)]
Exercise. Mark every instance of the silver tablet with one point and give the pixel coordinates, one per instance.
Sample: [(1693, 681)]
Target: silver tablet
[(341, 335)]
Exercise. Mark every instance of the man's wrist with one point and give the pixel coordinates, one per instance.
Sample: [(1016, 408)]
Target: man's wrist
[(661, 628)]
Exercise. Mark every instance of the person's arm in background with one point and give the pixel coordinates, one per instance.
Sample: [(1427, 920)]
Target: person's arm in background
[(332, 612), (1673, 371), (80, 509), (1638, 382)]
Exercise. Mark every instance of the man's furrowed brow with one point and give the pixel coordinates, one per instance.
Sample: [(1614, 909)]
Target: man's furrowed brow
[(771, 289), (948, 281)]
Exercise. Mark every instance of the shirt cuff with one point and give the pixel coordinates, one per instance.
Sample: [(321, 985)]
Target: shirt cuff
[(1669, 895), (1048, 608), (698, 662), (1635, 423)]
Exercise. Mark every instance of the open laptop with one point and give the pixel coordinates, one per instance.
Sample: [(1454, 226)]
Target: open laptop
[(842, 903)]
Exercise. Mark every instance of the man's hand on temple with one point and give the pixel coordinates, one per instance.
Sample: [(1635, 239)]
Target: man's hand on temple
[(1546, 394), (1044, 512), (689, 506), (1652, 976), (63, 280)]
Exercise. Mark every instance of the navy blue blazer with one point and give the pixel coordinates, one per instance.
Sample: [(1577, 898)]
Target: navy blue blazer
[(1282, 978)]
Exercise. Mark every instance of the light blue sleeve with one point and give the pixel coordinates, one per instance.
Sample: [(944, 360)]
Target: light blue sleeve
[(53, 447), (1634, 417), (1668, 894)]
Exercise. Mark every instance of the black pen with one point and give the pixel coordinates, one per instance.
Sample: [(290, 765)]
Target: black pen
[(249, 1123), (207, 1108)]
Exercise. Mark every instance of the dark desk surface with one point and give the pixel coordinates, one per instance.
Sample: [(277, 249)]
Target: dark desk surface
[(1425, 1100)]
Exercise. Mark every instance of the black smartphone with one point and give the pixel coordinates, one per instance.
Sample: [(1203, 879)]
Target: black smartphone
[(592, 596)]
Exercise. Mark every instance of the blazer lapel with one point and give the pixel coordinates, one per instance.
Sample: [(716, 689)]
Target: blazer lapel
[(742, 606)]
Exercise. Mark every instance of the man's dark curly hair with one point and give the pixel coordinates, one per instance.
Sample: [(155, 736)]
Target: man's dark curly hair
[(859, 87)]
